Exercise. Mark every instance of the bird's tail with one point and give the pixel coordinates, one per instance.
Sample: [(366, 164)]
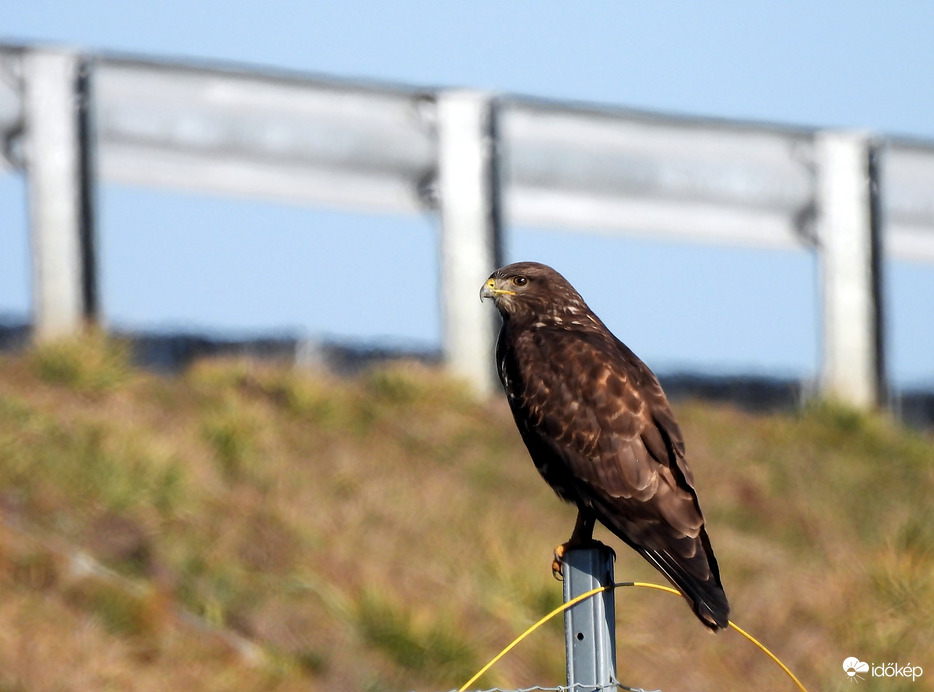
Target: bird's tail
[(698, 578)]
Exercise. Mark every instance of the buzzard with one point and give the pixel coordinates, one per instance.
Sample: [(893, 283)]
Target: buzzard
[(600, 431)]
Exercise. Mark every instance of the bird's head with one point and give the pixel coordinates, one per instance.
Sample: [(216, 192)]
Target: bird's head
[(533, 290)]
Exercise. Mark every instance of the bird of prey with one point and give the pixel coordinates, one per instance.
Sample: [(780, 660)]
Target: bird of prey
[(601, 432)]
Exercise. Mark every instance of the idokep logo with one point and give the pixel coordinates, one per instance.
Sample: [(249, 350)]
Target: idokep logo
[(852, 666)]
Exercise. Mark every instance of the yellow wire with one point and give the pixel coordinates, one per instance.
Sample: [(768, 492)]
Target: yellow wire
[(732, 624), (559, 609), (592, 592), (769, 654)]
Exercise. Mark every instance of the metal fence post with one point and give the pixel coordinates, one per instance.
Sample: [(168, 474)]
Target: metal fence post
[(849, 233), (590, 626), (59, 173), (469, 191)]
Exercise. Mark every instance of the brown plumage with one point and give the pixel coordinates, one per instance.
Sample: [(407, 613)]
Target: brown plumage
[(600, 430)]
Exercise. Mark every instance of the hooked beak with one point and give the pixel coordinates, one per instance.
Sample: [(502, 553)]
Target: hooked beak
[(489, 290)]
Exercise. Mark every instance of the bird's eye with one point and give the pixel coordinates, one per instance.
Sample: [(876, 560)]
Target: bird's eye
[(519, 280)]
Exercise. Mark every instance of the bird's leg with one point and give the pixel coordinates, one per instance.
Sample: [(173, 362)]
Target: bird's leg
[(581, 537)]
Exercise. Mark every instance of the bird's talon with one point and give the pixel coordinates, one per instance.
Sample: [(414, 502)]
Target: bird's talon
[(557, 564), (557, 569)]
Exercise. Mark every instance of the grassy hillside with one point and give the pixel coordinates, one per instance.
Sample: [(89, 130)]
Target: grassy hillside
[(249, 527)]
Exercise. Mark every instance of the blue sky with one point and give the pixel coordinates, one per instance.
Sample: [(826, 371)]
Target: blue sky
[(172, 260)]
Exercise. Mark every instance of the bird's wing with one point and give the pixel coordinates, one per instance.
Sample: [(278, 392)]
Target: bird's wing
[(600, 430), (589, 404)]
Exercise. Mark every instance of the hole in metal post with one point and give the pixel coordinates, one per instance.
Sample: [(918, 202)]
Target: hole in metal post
[(580, 636)]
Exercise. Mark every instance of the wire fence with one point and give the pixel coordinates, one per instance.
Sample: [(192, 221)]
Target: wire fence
[(576, 687)]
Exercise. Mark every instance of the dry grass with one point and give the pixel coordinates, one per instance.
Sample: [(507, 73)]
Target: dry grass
[(260, 528)]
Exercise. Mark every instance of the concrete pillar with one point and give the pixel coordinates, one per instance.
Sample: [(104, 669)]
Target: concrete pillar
[(849, 234), (59, 176), (469, 191)]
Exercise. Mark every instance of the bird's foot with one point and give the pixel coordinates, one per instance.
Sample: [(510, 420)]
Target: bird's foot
[(557, 565)]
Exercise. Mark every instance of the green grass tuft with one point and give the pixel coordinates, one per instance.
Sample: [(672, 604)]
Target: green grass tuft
[(91, 362), (433, 644)]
